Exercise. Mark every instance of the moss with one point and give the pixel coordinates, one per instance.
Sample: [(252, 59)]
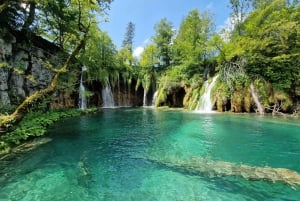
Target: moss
[(237, 101), (247, 102), (161, 97), (193, 99), (281, 98), (264, 90), (220, 105), (221, 93)]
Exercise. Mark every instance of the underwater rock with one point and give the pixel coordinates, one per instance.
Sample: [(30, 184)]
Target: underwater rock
[(84, 177), (222, 168), (83, 168)]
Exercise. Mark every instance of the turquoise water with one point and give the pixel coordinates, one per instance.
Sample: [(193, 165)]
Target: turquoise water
[(109, 156)]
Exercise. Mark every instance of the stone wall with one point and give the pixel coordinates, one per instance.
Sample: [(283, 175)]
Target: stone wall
[(24, 65)]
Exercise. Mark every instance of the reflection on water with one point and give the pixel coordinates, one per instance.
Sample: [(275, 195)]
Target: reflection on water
[(110, 156)]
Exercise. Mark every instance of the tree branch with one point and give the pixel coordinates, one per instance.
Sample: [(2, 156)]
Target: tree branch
[(4, 5)]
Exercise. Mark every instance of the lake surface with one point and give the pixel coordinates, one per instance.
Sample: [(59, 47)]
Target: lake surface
[(115, 154)]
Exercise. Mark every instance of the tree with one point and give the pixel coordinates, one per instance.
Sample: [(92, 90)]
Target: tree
[(190, 45), (148, 64), (162, 39), (272, 42), (99, 55), (129, 35), (239, 9), (256, 4), (149, 57)]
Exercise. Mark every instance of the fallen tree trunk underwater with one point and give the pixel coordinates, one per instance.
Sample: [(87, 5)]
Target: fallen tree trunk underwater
[(213, 168)]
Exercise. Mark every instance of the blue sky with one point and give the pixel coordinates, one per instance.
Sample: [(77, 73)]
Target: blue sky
[(146, 13)]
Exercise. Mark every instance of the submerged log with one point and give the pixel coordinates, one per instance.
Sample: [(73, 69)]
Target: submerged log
[(222, 168), (25, 147)]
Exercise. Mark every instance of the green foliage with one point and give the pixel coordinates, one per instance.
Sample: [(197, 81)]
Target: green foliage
[(63, 21), (270, 44), (190, 49), (34, 124), (162, 39), (161, 97), (6, 108), (222, 93), (283, 100), (221, 89), (99, 56), (150, 57), (167, 83), (3, 64), (264, 89), (191, 99)]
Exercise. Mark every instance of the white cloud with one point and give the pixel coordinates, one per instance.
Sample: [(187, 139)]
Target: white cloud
[(138, 51)]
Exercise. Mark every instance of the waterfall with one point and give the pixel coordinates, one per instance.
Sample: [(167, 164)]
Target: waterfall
[(205, 104), (107, 96), (154, 98), (145, 98), (119, 91), (82, 103), (256, 100), (129, 95)]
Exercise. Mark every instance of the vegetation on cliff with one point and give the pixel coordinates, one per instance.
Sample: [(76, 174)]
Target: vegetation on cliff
[(263, 48)]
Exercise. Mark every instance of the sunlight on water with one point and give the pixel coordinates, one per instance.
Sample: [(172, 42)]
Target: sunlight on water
[(121, 154)]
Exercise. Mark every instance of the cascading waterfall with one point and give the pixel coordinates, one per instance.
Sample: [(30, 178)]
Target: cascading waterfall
[(205, 104), (129, 95), (154, 98), (145, 98), (107, 96), (256, 100), (82, 94), (119, 91)]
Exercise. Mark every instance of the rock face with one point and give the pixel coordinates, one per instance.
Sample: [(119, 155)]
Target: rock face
[(24, 66)]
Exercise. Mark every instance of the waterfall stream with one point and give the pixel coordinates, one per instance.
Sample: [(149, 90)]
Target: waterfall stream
[(154, 98), (82, 94), (205, 104), (256, 100), (107, 96), (145, 98)]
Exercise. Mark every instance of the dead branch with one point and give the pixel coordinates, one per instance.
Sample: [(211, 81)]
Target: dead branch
[(232, 70)]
